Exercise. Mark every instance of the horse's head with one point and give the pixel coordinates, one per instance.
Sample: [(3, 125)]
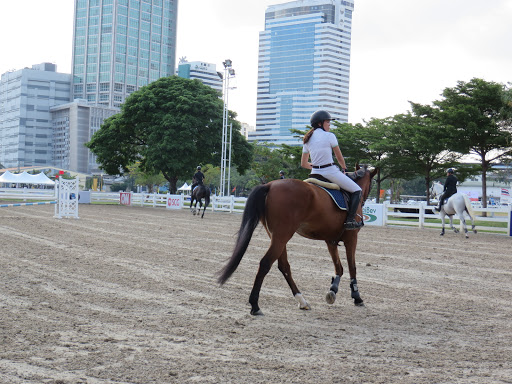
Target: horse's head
[(363, 177), (436, 189)]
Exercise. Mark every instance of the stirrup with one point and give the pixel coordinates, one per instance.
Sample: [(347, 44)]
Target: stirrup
[(353, 224)]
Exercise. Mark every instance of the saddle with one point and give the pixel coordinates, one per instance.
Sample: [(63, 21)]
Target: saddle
[(339, 196)]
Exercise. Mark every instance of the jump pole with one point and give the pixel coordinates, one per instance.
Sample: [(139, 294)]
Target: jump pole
[(24, 204)]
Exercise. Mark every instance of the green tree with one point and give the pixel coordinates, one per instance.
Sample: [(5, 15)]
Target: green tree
[(169, 126), (421, 144), (267, 163), (145, 178), (479, 113), (369, 144)]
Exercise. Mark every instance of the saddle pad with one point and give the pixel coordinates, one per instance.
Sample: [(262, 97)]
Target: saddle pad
[(337, 197)]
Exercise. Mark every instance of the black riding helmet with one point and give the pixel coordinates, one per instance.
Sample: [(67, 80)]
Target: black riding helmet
[(198, 168), (319, 117), (449, 170)]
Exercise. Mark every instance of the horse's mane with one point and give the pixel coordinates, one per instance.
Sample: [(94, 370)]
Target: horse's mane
[(358, 174)]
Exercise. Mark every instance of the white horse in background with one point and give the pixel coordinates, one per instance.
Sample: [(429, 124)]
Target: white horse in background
[(456, 204)]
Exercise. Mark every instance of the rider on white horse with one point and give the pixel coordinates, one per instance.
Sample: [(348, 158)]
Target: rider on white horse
[(450, 188)]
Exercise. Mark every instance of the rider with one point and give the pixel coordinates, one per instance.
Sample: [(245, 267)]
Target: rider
[(197, 179), (450, 188), (281, 174), (319, 143)]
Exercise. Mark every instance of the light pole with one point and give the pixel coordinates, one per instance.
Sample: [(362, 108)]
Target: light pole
[(229, 72)]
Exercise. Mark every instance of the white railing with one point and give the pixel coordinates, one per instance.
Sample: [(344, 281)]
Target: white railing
[(394, 214), (420, 215), (28, 194), (223, 204)]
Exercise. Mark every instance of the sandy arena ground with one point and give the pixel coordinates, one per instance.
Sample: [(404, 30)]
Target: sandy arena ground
[(129, 295)]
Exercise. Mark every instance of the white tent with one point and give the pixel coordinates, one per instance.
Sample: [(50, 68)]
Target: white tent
[(184, 187), (25, 178), (7, 177)]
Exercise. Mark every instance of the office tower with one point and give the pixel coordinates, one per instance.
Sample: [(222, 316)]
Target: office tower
[(205, 72), (121, 45), (304, 65), (26, 96), (73, 125)]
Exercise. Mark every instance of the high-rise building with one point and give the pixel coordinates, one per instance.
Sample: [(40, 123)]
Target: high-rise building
[(205, 72), (73, 125), (26, 96), (304, 65), (121, 45)]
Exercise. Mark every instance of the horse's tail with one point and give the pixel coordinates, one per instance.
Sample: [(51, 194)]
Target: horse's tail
[(469, 208), (253, 212)]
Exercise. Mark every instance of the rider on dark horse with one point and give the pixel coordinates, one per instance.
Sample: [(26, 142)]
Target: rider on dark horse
[(319, 144), (450, 188), (197, 179)]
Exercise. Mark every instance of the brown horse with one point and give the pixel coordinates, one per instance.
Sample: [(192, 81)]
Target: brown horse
[(289, 206)]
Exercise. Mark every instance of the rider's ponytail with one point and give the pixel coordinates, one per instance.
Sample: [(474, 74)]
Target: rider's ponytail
[(308, 135)]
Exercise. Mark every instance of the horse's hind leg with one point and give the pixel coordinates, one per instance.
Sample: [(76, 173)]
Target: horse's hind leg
[(463, 222), (266, 262), (338, 269), (284, 267), (472, 222)]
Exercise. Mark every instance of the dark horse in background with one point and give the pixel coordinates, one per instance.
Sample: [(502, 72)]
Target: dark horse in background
[(289, 206), (198, 194)]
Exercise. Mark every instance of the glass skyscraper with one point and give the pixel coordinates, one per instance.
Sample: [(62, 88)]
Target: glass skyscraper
[(121, 45), (304, 65)]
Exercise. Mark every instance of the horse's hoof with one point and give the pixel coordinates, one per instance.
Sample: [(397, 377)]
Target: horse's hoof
[(330, 297), (441, 234), (257, 313), (456, 230), (474, 230), (305, 307), (358, 302)]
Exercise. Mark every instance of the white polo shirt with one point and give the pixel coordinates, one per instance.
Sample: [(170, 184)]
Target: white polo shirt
[(320, 147)]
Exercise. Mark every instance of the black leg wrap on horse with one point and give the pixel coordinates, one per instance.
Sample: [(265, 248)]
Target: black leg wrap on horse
[(353, 204), (335, 282), (355, 292)]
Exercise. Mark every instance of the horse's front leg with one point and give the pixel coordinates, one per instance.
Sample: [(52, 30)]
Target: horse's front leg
[(338, 269), (284, 267), (350, 241)]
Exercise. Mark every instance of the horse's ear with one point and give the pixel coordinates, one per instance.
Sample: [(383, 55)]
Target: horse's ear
[(357, 167)]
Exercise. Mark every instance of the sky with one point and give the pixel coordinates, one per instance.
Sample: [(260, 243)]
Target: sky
[(402, 50)]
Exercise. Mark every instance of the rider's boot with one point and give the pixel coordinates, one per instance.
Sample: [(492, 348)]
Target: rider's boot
[(353, 204), (440, 204)]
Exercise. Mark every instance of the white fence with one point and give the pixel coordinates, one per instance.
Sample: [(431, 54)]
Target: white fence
[(406, 215), (28, 194), (418, 215), (224, 204)]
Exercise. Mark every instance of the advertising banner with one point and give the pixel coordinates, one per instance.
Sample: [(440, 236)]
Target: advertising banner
[(125, 198), (175, 201), (373, 214)]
